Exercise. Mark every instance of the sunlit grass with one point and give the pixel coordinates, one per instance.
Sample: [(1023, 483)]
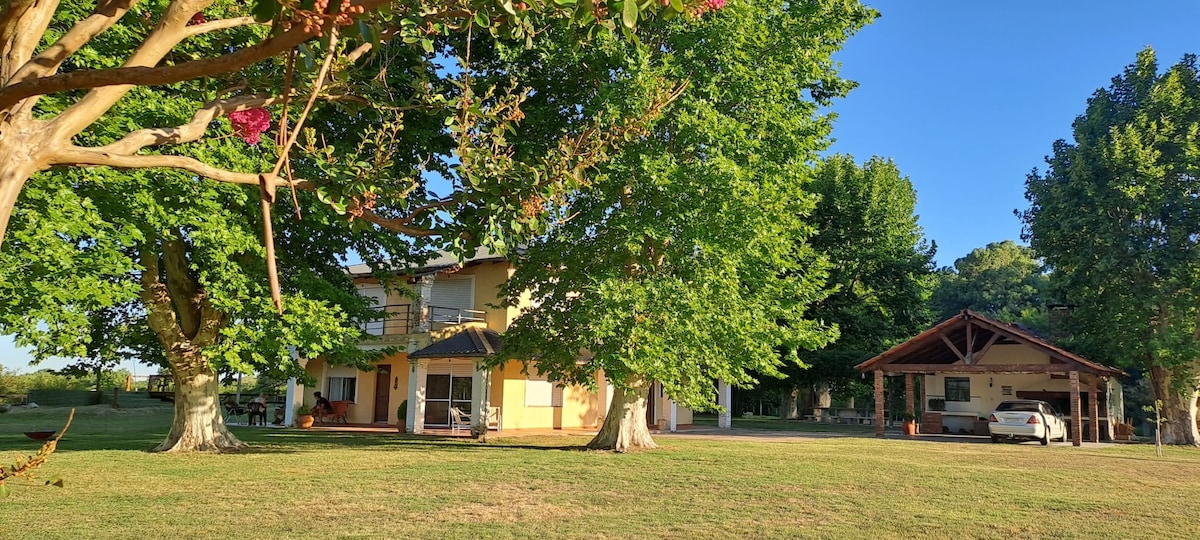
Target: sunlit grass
[(325, 485)]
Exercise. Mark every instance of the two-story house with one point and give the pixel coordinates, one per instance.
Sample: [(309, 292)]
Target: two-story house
[(447, 326)]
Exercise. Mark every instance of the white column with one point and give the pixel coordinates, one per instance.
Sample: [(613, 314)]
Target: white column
[(295, 392), (481, 383), (416, 396), (725, 401), (420, 304), (674, 416)]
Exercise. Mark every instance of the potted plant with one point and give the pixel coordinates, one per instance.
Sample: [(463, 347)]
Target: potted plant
[(304, 417), (910, 423), (402, 416)]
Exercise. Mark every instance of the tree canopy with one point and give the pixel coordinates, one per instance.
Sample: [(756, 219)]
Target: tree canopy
[(685, 262), (1003, 280), (1115, 215)]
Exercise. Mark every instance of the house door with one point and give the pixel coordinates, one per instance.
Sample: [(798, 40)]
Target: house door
[(447, 385), (651, 414), (383, 379)]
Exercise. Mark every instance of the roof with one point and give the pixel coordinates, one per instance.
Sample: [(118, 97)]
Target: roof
[(442, 262), (471, 343), (932, 348)]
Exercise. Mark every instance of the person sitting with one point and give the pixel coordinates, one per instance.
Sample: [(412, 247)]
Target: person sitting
[(258, 409), (323, 407), (232, 408)]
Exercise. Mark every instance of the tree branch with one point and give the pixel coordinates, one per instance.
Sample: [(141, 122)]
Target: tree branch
[(107, 14), (222, 24), (80, 156), (182, 289), (22, 23), (140, 69), (189, 132), (397, 224)]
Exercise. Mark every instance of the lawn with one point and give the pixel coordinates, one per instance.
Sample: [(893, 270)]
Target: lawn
[(323, 485)]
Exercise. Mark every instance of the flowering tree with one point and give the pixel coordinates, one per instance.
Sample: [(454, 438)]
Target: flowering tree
[(367, 121)]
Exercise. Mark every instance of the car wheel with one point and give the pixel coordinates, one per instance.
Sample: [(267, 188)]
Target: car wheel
[(1045, 435), (1064, 435), (995, 439)]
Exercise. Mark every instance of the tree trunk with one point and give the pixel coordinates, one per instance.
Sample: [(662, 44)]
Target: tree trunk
[(822, 396), (790, 409), (1178, 407), (625, 427), (198, 425), (14, 171)]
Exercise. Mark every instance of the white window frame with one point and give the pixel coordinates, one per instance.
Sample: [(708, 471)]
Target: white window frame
[(340, 372)]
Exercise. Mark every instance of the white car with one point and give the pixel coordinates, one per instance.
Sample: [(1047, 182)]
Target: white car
[(1027, 419)]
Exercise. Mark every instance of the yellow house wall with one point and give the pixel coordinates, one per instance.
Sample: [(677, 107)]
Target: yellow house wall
[(580, 407), (986, 388), (489, 276)]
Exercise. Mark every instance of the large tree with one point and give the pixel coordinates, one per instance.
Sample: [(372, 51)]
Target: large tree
[(880, 270), (48, 49), (1117, 217), (393, 139), (685, 263), (1004, 280)]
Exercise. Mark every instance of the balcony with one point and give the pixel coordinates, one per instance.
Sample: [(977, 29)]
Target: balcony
[(403, 319)]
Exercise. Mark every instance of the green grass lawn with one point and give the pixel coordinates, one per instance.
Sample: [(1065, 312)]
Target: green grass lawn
[(299, 484)]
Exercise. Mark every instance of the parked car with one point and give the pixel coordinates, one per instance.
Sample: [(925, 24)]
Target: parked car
[(1027, 419)]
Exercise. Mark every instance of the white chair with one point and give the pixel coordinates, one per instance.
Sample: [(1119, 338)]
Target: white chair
[(459, 420)]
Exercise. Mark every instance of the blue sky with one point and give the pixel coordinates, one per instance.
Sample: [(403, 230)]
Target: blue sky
[(968, 96)]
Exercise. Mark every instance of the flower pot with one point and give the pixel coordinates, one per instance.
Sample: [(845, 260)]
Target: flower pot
[(304, 421), (910, 427), (400, 426)]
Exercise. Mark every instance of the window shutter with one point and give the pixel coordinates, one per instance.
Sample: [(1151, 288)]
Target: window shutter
[(453, 293)]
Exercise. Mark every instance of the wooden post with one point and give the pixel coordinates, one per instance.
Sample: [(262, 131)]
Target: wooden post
[(1093, 410), (924, 394), (878, 403), (908, 393), (1076, 420)]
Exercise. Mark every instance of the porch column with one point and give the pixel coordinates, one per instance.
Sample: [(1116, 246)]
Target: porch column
[(1076, 420), (416, 396), (1093, 410), (908, 393), (674, 421), (481, 385), (725, 401), (924, 394), (420, 315), (295, 391), (878, 403)]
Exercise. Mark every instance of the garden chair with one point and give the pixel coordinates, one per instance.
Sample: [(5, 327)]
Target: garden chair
[(257, 411), (232, 412), (459, 420), (341, 409)]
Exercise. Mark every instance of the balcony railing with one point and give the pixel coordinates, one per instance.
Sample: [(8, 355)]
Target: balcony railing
[(403, 319)]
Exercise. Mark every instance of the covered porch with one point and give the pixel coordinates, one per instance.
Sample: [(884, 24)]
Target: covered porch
[(447, 378), (979, 362)]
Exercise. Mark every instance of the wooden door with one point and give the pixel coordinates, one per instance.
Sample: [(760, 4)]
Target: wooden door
[(383, 385)]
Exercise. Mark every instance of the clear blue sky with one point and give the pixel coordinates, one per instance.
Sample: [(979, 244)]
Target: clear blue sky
[(968, 96)]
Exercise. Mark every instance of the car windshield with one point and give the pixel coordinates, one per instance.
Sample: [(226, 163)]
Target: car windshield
[(1017, 406)]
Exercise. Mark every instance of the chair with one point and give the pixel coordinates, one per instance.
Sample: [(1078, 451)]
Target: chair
[(233, 411), (494, 419), (256, 410), (459, 420), (341, 409)]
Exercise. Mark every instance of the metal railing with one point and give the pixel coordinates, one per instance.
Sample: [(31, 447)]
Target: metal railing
[(403, 319)]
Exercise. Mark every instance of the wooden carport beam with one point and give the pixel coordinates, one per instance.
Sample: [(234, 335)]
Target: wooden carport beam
[(908, 393), (975, 358), (1093, 410), (952, 347), (1076, 420), (878, 403), (897, 369), (969, 357)]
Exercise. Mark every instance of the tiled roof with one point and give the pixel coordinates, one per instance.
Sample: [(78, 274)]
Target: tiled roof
[(472, 342)]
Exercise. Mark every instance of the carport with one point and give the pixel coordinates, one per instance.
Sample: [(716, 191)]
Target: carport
[(970, 353)]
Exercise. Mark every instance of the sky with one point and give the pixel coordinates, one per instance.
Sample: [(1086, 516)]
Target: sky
[(967, 97)]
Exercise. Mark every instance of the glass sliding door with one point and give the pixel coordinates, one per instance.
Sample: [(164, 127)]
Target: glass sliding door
[(450, 388)]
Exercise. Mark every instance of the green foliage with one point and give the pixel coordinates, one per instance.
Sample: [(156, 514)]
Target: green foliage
[(1117, 218), (1002, 280), (402, 410), (685, 261)]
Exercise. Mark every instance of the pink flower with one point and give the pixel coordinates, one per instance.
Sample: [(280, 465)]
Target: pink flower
[(198, 18), (250, 123), (714, 5)]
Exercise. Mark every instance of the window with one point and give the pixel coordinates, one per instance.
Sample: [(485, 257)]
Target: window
[(540, 392), (958, 389), (342, 388)]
